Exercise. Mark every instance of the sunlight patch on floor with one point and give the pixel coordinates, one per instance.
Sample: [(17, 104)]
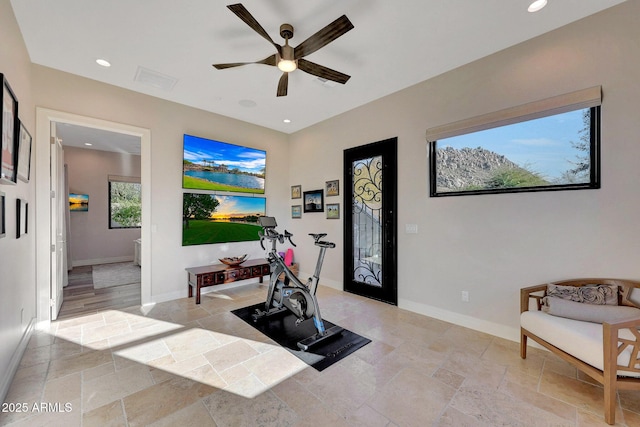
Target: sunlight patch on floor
[(230, 361)]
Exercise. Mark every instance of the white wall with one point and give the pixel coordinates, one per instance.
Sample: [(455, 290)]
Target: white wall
[(17, 256), (92, 241), (492, 245)]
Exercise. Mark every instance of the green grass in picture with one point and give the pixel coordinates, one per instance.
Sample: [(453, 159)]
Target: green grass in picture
[(202, 231), (203, 184)]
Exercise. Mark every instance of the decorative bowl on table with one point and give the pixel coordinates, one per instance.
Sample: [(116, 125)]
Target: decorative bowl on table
[(234, 260)]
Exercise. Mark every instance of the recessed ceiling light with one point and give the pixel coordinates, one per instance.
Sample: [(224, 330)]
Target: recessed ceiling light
[(287, 121), (536, 5), (103, 62), (88, 144)]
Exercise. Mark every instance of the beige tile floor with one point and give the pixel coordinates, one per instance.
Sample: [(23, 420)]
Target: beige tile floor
[(188, 365)]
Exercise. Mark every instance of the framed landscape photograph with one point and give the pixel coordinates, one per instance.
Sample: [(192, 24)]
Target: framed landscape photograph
[(24, 154), (333, 210), (213, 218), (296, 211), (8, 123), (78, 202), (313, 201), (332, 188), (218, 166)]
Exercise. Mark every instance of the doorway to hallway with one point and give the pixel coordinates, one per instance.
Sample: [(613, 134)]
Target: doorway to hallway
[(47, 284)]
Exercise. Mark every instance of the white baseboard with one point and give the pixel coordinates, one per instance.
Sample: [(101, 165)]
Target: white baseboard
[(486, 326), (83, 262), (14, 363), (170, 296)]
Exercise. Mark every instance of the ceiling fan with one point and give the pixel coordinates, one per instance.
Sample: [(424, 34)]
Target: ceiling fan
[(288, 58)]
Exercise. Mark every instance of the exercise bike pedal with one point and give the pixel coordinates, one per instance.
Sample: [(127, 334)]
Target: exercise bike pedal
[(259, 314), (330, 333)]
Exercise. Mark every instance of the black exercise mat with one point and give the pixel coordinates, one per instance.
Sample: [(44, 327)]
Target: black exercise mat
[(282, 329)]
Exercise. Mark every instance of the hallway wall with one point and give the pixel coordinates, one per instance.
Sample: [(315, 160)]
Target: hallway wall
[(17, 256), (92, 241)]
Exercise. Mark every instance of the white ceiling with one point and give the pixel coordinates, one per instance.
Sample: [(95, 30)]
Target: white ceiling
[(394, 44), (97, 139)]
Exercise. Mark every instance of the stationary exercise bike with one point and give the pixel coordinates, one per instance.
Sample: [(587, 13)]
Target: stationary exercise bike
[(291, 294)]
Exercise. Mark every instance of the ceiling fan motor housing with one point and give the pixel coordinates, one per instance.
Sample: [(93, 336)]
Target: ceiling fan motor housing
[(286, 31)]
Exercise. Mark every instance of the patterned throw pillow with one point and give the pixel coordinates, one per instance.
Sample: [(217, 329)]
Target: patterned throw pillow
[(631, 296), (589, 294), (588, 312)]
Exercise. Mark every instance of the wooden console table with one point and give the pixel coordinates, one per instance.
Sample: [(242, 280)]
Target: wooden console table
[(219, 274)]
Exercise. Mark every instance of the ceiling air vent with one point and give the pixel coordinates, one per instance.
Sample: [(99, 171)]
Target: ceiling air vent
[(326, 83), (155, 79)]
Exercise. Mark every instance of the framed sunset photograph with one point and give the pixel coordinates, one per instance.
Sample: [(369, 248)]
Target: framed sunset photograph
[(214, 218)]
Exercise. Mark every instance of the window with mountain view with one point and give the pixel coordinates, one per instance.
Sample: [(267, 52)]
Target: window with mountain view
[(556, 152)]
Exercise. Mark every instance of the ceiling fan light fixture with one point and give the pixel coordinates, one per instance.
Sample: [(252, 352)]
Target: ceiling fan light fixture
[(536, 5), (286, 62), (287, 65)]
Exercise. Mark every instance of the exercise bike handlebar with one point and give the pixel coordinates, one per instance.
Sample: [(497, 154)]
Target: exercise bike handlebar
[(273, 235)]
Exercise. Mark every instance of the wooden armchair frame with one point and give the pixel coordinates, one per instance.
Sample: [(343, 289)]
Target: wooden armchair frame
[(612, 344)]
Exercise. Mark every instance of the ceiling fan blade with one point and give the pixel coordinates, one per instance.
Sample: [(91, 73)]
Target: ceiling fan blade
[(322, 71), (323, 37), (271, 60), (242, 13), (230, 65), (282, 84)]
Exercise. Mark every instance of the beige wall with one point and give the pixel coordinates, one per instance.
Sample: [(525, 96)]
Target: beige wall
[(17, 256), (487, 245), (92, 242), (492, 245), (167, 123)]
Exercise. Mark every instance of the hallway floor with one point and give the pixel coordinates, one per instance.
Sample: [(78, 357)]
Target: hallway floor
[(182, 364), (81, 298)]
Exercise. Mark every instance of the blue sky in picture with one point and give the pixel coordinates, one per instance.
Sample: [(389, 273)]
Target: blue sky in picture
[(542, 145), (198, 150), (234, 206)]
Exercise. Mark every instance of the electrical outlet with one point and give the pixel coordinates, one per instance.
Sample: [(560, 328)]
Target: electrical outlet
[(465, 296), (411, 228)]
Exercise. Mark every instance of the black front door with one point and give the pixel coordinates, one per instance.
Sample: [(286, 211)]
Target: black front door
[(370, 231)]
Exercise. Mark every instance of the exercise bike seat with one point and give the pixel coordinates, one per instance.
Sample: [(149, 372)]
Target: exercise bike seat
[(324, 244), (317, 237)]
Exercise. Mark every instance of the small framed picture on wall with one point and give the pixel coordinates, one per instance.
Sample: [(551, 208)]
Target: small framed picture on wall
[(296, 211), (22, 217), (333, 210), (296, 191), (9, 105), (314, 201), (332, 188), (3, 221), (24, 154)]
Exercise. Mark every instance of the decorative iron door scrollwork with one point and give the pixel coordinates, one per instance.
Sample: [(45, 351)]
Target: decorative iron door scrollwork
[(367, 220)]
